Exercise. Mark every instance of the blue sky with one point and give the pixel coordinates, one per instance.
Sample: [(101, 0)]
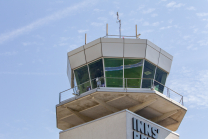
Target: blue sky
[(35, 37)]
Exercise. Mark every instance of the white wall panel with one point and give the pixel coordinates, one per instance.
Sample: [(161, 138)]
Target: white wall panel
[(152, 55), (112, 49), (153, 45), (93, 52), (110, 40), (77, 59), (79, 49), (111, 127), (166, 54), (165, 63), (135, 41), (134, 50), (92, 43)]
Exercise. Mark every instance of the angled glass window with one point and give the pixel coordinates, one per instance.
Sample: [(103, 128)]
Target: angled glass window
[(114, 72), (148, 74), (133, 69), (160, 77), (96, 70), (82, 79)]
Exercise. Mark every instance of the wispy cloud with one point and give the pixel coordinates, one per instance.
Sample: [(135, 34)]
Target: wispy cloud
[(146, 24), (154, 15), (146, 31), (155, 23), (112, 13), (203, 42), (71, 47), (151, 24), (186, 37), (166, 27), (104, 19), (45, 20), (96, 24), (148, 11), (30, 73), (62, 39), (31, 43), (191, 47), (202, 14), (170, 21), (82, 30), (188, 83), (191, 8), (98, 10), (8, 53), (173, 4)]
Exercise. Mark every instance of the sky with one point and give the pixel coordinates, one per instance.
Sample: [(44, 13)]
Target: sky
[(35, 37)]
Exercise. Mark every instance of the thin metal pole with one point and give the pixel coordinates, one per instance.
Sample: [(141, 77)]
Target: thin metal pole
[(85, 38), (182, 101), (123, 73), (107, 29), (136, 31), (105, 80), (120, 28), (126, 83), (59, 97)]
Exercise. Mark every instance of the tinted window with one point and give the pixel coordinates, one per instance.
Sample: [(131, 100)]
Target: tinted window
[(96, 70), (133, 69), (82, 77), (114, 72), (149, 72), (160, 77)]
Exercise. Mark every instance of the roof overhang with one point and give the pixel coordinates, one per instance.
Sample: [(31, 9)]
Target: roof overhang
[(97, 103)]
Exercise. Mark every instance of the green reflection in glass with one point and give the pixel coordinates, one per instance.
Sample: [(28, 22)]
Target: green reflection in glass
[(96, 70), (133, 69), (160, 77), (82, 76), (84, 87), (149, 72), (114, 69)]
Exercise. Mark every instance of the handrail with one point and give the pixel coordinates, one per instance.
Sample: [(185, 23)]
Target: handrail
[(118, 36), (76, 90), (167, 87)]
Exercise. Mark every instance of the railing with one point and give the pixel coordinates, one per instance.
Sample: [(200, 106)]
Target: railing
[(119, 36), (125, 83)]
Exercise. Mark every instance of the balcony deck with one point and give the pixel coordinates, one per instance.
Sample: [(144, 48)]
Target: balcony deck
[(103, 101)]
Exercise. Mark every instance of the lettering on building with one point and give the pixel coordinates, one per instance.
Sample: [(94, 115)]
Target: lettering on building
[(143, 130)]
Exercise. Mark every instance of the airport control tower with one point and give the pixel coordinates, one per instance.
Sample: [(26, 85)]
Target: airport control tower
[(119, 92)]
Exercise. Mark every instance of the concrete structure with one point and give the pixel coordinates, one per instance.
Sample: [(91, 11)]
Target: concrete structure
[(115, 126), (114, 80)]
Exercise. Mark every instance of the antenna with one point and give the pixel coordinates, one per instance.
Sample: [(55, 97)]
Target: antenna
[(137, 35), (119, 20), (85, 38), (107, 29)]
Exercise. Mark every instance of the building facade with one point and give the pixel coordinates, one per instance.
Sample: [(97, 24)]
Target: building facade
[(120, 92)]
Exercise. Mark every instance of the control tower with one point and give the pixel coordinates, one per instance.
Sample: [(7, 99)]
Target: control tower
[(119, 92)]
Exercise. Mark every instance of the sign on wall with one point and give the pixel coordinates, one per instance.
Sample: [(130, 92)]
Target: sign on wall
[(143, 130)]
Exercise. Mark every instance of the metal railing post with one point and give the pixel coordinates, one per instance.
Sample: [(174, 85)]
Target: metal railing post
[(182, 101), (77, 92), (168, 93), (59, 97), (123, 83), (126, 83)]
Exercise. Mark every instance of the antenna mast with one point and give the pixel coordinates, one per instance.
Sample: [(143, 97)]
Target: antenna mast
[(119, 20)]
